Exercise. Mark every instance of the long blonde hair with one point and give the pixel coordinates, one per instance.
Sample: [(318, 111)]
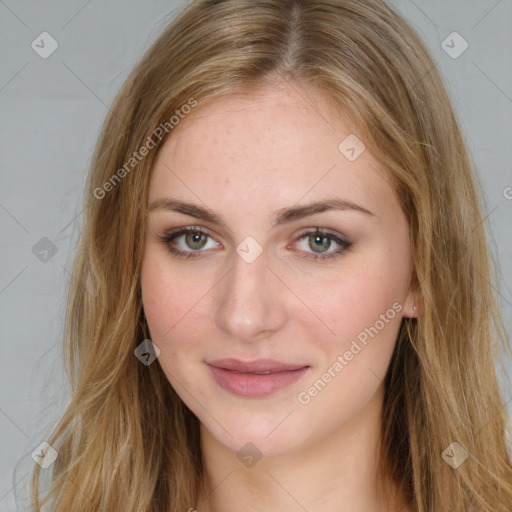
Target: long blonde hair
[(127, 442)]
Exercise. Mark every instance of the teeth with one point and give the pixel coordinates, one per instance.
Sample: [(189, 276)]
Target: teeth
[(262, 373)]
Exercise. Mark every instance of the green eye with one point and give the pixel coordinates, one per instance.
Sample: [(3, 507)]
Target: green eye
[(320, 241), (195, 238)]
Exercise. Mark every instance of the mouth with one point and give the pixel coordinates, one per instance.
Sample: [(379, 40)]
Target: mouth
[(257, 378)]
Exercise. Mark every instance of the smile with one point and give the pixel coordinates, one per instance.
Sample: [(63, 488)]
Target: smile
[(255, 379)]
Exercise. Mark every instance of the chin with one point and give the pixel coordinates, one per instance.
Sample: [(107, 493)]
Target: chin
[(266, 436)]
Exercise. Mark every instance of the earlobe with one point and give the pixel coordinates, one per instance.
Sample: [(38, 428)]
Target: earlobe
[(410, 308)]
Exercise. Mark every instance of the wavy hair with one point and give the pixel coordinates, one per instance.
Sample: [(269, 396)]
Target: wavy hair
[(126, 441)]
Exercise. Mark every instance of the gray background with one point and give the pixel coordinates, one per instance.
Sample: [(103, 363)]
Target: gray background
[(51, 111)]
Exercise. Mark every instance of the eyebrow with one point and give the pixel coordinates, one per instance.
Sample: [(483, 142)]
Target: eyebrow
[(282, 216)]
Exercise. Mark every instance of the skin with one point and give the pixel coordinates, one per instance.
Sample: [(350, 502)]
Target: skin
[(245, 157)]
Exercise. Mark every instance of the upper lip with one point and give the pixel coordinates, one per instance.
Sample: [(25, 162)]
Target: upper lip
[(258, 365)]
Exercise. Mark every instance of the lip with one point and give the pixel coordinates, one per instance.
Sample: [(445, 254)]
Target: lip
[(239, 377), (258, 365)]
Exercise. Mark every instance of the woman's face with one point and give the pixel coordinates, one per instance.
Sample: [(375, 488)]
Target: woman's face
[(267, 275)]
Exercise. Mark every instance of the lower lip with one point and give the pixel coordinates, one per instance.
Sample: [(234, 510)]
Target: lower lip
[(252, 385)]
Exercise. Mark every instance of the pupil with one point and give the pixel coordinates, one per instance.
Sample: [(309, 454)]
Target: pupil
[(195, 238), (318, 240)]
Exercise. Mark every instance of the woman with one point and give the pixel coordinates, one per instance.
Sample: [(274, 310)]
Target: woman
[(283, 294)]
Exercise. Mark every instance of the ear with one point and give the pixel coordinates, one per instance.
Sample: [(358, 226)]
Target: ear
[(411, 305)]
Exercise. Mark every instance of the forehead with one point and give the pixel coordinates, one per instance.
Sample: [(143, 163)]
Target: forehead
[(266, 150)]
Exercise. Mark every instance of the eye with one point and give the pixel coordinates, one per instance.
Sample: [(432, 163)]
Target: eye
[(319, 242), (193, 238), (189, 241)]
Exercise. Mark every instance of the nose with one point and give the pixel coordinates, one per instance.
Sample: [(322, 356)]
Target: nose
[(251, 301)]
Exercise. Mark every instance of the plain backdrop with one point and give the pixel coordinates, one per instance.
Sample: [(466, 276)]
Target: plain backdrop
[(51, 111)]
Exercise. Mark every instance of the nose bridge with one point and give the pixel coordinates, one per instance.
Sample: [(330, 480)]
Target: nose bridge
[(249, 302)]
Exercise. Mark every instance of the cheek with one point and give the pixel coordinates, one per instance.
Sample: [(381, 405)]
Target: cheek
[(160, 299), (360, 298), (363, 308), (174, 301), (156, 298)]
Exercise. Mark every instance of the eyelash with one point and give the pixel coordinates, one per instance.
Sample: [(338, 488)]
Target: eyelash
[(169, 236)]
